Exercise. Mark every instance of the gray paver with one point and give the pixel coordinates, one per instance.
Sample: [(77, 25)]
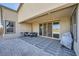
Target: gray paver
[(33, 46), (52, 46), (18, 47)]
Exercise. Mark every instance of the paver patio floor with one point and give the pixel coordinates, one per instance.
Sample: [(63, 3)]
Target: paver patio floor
[(49, 45), (18, 47), (33, 46)]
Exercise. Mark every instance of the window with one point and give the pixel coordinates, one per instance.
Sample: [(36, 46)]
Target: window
[(56, 29), (9, 27)]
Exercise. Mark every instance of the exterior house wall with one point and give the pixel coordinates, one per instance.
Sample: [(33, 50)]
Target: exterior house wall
[(11, 16), (24, 27), (35, 27), (19, 27), (64, 24)]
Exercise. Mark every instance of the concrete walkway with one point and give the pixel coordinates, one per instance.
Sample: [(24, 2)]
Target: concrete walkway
[(35, 46)]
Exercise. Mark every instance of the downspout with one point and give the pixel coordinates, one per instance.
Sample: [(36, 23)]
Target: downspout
[(1, 26)]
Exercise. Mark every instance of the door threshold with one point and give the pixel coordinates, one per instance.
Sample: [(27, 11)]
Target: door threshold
[(51, 37)]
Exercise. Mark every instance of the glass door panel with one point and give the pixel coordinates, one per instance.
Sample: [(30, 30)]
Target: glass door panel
[(56, 29), (49, 29), (44, 29), (40, 29)]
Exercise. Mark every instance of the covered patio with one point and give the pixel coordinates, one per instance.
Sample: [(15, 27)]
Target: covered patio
[(50, 24)]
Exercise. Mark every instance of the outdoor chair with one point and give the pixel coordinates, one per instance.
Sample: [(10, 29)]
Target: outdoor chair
[(33, 34), (26, 34)]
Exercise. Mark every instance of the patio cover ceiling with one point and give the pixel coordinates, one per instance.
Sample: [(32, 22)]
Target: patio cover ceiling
[(34, 10), (53, 15)]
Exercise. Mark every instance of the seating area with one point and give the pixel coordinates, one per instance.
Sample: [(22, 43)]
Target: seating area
[(29, 34)]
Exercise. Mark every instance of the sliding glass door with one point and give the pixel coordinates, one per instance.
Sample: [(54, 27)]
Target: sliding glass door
[(44, 29), (40, 29), (51, 29)]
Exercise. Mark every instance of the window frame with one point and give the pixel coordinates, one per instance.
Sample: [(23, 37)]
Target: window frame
[(14, 27)]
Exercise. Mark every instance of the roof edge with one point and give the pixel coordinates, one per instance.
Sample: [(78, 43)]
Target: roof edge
[(20, 6), (8, 8)]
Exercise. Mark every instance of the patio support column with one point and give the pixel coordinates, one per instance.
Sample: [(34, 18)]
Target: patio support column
[(78, 27), (76, 44)]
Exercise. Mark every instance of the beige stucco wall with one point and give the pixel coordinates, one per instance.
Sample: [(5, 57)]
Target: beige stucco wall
[(24, 27), (76, 44), (64, 24), (35, 27), (19, 27), (12, 16)]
